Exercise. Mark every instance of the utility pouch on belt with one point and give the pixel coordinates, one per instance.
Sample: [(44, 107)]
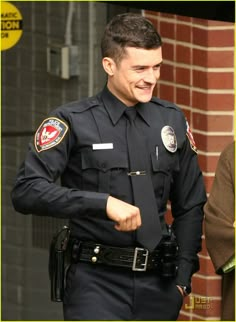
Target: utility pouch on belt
[(169, 252), (58, 263)]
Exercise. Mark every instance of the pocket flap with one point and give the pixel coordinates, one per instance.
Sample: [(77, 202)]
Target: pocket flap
[(103, 160), (164, 164)]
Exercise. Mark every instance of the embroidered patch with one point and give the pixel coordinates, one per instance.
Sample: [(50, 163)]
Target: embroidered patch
[(49, 134), (190, 138)]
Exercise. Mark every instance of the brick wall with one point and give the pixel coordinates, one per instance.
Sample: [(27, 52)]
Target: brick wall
[(198, 75)]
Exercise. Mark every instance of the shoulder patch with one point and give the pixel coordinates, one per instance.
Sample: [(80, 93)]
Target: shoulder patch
[(49, 134), (190, 138)]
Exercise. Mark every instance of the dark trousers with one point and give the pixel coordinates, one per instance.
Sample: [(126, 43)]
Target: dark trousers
[(96, 292)]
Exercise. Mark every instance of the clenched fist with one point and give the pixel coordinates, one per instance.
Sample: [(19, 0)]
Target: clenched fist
[(126, 216)]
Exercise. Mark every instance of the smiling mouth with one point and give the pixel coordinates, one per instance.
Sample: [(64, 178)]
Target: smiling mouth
[(146, 88)]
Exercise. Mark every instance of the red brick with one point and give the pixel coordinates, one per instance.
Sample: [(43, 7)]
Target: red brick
[(208, 181), (220, 102), (213, 102), (200, 57), (208, 163), (213, 80), (183, 76), (187, 114), (221, 38), (206, 266), (214, 143), (183, 54), (167, 72), (167, 15), (213, 58), (156, 90), (215, 23), (203, 286), (199, 21), (200, 79), (151, 13), (220, 59), (211, 23), (168, 51), (224, 80), (213, 38), (183, 18), (200, 37), (183, 32), (204, 251), (166, 92), (167, 30), (212, 123), (182, 96)]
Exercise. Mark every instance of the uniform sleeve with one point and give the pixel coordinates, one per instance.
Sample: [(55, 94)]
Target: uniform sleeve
[(187, 200), (37, 189), (219, 213)]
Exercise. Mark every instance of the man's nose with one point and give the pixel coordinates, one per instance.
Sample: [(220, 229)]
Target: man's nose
[(151, 76)]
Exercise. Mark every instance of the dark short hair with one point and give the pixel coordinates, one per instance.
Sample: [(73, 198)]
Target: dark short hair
[(128, 30)]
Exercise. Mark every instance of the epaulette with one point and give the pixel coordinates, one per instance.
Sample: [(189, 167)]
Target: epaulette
[(79, 106), (165, 103)]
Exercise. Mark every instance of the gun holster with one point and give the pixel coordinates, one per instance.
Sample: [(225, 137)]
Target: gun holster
[(59, 261)]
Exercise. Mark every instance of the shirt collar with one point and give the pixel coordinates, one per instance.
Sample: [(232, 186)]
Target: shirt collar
[(115, 108)]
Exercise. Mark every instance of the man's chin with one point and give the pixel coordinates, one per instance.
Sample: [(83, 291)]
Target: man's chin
[(145, 99)]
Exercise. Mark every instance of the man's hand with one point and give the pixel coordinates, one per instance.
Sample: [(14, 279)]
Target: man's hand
[(126, 216), (181, 291)]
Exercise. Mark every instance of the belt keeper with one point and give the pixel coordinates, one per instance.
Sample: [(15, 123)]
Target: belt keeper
[(136, 173)]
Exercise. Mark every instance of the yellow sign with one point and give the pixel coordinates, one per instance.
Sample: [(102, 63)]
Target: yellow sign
[(11, 25)]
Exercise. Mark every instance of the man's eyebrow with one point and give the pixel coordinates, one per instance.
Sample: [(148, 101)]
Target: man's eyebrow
[(159, 64)]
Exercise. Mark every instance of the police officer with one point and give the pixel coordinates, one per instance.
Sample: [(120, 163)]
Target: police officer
[(86, 145)]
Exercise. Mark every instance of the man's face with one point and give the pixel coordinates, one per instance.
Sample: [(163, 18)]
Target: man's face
[(133, 79)]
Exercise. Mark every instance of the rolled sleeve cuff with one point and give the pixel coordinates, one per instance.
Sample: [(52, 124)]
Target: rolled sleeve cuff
[(96, 202), (184, 273)]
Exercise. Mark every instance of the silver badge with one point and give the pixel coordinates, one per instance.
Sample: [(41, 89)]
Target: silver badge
[(169, 138)]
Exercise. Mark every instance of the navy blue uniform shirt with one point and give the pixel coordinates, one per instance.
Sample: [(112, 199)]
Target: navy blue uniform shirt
[(84, 144)]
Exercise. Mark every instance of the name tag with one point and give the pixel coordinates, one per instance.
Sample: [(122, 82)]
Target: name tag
[(103, 146)]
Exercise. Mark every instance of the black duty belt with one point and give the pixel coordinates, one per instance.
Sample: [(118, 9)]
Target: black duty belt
[(162, 259)]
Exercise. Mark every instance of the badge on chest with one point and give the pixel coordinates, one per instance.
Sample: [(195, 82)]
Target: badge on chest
[(169, 138)]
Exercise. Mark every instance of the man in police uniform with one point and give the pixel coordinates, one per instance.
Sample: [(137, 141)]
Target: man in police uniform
[(86, 144)]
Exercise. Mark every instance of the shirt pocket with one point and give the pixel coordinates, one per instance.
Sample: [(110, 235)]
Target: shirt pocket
[(162, 175), (98, 165)]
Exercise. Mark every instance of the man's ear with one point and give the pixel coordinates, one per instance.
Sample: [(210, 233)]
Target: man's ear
[(108, 65)]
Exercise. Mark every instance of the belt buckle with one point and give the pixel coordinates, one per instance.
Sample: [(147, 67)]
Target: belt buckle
[(145, 256)]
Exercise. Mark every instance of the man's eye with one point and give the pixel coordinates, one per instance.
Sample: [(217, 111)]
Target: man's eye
[(140, 68)]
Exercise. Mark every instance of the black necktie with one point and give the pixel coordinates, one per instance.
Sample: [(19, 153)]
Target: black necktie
[(149, 234)]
